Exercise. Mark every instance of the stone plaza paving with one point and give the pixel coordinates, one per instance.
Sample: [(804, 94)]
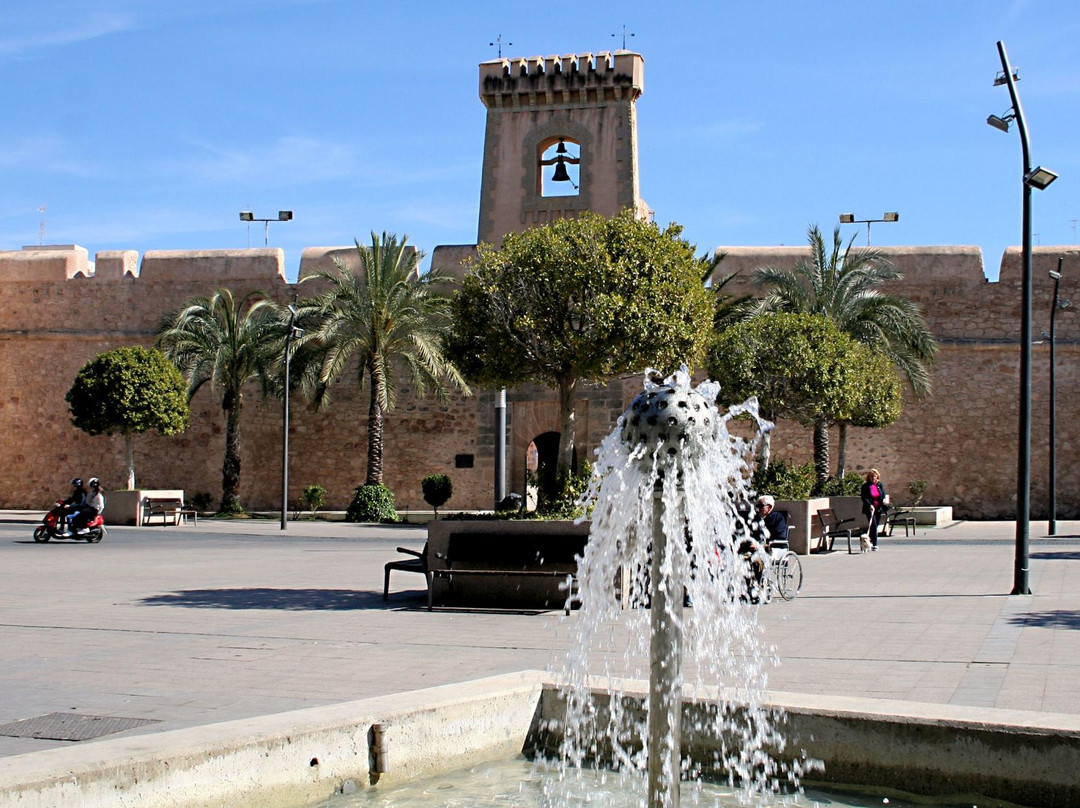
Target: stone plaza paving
[(191, 625)]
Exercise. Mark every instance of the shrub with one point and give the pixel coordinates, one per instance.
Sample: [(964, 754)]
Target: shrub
[(313, 498), (203, 501), (849, 486), (917, 489), (372, 503), (437, 490), (569, 488), (785, 480)]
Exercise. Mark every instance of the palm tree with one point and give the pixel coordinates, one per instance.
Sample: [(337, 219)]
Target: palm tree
[(842, 285), (224, 342), (388, 315)]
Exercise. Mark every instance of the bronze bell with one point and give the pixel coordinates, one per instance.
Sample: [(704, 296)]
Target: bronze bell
[(560, 174)]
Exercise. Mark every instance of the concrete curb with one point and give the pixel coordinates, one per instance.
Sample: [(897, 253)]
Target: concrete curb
[(300, 757)]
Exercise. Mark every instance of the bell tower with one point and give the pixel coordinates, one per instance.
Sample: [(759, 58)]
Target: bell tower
[(561, 137)]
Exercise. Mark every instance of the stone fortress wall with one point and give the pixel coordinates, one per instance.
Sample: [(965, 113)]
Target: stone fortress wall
[(58, 315)]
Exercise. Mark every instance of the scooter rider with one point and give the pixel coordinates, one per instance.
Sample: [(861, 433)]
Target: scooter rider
[(94, 505), (76, 502)]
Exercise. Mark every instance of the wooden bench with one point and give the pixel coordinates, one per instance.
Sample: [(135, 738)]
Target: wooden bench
[(489, 555), (831, 527), (167, 508)]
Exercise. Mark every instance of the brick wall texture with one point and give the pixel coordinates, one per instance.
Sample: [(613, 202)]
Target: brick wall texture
[(57, 316)]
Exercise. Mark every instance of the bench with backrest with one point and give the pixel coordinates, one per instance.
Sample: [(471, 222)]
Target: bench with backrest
[(901, 517), (832, 526), (491, 556), (418, 563), (167, 508)]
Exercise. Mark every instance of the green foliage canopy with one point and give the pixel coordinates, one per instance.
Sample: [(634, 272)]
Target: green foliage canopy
[(798, 365), (580, 299), (129, 391)]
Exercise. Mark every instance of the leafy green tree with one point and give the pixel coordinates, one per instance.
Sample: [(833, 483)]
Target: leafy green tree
[(843, 284), (224, 342), (580, 299), (386, 316), (881, 399), (128, 391), (799, 366)]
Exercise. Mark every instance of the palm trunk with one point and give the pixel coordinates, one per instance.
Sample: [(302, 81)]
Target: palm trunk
[(230, 468), (375, 429), (567, 423), (821, 451), (841, 451), (129, 459)]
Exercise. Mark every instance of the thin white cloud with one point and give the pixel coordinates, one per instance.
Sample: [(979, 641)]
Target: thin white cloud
[(45, 154), (19, 44)]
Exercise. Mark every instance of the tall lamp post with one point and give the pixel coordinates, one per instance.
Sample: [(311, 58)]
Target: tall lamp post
[(1040, 178), (1054, 306), (290, 335), (248, 216), (849, 218)]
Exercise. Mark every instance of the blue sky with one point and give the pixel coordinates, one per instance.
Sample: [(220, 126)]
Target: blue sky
[(145, 124)]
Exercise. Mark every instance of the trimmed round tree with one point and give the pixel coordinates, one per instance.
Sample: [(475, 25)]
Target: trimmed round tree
[(800, 366), (582, 299), (128, 391)]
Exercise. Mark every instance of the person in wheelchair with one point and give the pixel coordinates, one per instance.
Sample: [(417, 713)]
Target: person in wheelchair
[(768, 527)]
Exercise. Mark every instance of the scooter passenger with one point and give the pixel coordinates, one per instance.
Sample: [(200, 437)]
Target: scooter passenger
[(95, 504)]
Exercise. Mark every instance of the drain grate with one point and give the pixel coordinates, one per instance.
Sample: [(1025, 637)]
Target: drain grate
[(70, 726)]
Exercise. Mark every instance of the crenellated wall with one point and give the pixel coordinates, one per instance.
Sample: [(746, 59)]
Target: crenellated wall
[(58, 315)]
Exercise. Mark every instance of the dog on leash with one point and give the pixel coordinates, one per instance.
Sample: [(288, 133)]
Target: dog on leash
[(864, 544)]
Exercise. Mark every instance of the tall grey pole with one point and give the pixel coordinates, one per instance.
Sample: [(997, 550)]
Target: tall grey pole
[(285, 423), (1052, 518), (500, 447), (1021, 571), (665, 669)]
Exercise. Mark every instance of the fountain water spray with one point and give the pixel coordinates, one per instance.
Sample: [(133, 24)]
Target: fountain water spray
[(670, 496)]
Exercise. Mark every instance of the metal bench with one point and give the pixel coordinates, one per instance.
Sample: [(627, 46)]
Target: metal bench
[(905, 518), (167, 508), (831, 527)]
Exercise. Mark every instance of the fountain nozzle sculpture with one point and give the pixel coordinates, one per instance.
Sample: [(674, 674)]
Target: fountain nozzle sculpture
[(667, 425), (668, 495)]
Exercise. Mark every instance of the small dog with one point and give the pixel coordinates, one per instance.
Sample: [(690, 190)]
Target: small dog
[(864, 544)]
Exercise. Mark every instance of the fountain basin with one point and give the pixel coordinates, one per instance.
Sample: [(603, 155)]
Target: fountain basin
[(301, 757)]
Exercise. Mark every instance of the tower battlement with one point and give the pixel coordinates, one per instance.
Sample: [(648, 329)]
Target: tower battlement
[(567, 79)]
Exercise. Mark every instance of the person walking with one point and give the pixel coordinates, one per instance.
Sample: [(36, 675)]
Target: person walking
[(875, 505)]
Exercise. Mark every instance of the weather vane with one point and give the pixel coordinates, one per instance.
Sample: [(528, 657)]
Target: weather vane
[(499, 42), (625, 34)]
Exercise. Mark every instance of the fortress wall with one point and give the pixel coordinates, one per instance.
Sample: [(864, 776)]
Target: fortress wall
[(57, 317)]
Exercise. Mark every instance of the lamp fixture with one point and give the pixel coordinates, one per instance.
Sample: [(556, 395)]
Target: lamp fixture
[(1040, 177), (248, 216), (1001, 122), (849, 218)]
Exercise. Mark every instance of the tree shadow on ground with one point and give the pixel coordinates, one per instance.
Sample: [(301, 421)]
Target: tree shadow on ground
[(1066, 555), (1054, 618), (292, 600)]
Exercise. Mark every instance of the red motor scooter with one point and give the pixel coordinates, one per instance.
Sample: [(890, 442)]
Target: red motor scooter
[(55, 526)]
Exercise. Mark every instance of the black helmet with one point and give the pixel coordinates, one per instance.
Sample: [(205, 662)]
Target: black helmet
[(77, 482), (94, 482)]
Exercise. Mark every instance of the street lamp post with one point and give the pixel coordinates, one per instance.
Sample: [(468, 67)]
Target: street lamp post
[(849, 218), (1032, 178), (248, 216), (291, 334), (1051, 528)]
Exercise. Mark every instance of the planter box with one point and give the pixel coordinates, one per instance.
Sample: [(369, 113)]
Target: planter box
[(126, 507)]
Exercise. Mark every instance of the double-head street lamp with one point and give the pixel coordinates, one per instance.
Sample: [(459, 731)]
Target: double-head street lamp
[(1040, 178), (849, 218), (282, 216), (290, 335), (1051, 528)]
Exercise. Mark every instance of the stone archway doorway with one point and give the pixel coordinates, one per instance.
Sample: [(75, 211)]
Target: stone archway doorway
[(542, 466)]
